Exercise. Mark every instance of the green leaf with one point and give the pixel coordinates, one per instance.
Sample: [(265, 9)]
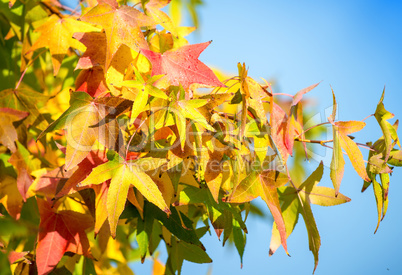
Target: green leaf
[(395, 158), (389, 132), (239, 240), (174, 225), (144, 232), (379, 199), (314, 239)]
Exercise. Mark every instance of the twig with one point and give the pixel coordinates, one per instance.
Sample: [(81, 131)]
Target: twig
[(322, 142), (26, 68)]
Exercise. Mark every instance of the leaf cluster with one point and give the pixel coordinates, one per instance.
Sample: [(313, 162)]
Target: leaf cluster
[(109, 150)]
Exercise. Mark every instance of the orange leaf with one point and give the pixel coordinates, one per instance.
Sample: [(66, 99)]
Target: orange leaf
[(122, 25)]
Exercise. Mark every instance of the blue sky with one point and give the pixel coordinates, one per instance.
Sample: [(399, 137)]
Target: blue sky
[(354, 46)]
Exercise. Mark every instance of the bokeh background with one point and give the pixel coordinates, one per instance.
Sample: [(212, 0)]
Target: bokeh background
[(353, 47)]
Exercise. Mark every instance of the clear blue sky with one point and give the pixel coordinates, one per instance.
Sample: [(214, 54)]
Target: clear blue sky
[(354, 46)]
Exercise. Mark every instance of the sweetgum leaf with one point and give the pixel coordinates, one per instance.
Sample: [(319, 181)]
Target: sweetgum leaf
[(8, 133), (91, 81), (95, 55), (122, 176), (28, 101), (10, 196), (263, 184), (297, 201), (182, 67), (56, 34), (24, 163), (122, 25), (60, 232), (389, 132), (88, 120), (395, 158)]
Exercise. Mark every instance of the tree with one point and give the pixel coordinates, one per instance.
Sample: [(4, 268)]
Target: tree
[(138, 154)]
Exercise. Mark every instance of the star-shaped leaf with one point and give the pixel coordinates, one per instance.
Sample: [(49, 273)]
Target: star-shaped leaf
[(122, 25), (87, 120), (182, 67), (341, 130), (60, 232), (57, 35), (95, 55), (123, 175)]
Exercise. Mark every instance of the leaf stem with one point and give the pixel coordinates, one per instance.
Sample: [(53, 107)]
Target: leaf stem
[(367, 117), (132, 136), (318, 125), (365, 146), (26, 68), (289, 95)]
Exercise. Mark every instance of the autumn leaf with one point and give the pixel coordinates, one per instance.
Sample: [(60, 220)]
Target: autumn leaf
[(278, 127), (122, 25), (88, 120), (92, 81), (153, 8), (83, 169), (48, 183), (294, 127), (123, 175), (57, 35), (10, 196), (60, 232), (28, 101), (182, 67), (263, 184), (389, 132), (8, 133), (95, 55), (341, 130), (24, 163), (139, 91), (297, 201)]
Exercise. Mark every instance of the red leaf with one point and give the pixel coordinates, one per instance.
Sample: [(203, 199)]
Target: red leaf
[(92, 82), (181, 66), (14, 256), (59, 233)]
